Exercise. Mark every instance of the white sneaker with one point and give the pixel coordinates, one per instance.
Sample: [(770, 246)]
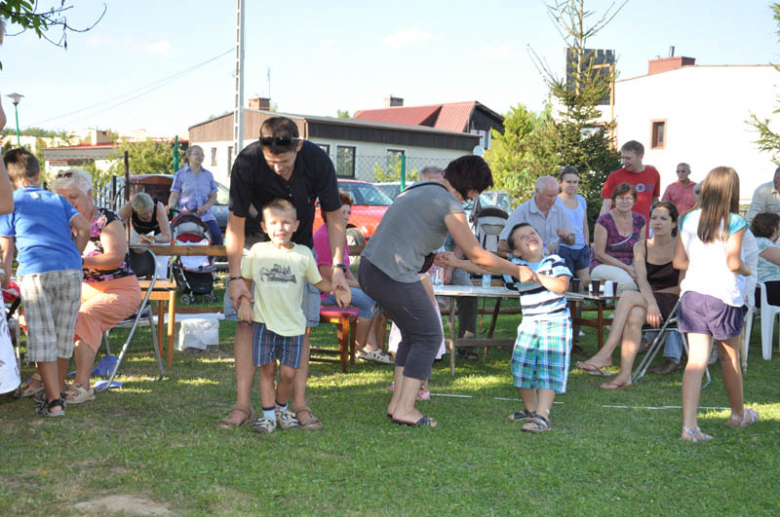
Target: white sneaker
[(376, 356), (264, 425), (286, 419)]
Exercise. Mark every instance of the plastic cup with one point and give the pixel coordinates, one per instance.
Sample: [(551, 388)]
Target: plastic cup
[(574, 285), (595, 286)]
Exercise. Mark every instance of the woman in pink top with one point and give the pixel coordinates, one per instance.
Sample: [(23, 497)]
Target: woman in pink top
[(366, 324)]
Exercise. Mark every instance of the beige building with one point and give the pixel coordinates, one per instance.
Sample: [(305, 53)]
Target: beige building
[(684, 112)]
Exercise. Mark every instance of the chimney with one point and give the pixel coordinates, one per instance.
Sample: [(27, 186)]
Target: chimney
[(260, 103), (391, 101), (669, 63), (99, 137)]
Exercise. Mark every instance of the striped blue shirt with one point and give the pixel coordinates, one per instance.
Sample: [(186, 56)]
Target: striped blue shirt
[(538, 302)]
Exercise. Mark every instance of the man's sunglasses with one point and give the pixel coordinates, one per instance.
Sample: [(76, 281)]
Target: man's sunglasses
[(278, 141)]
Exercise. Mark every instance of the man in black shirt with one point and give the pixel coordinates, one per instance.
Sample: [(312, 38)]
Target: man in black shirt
[(279, 165)]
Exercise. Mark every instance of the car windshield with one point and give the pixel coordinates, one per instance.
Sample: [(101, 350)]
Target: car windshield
[(492, 198), (223, 194), (365, 194)]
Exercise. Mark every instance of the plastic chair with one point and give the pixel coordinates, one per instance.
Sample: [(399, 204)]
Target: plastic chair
[(750, 257), (768, 316), (144, 264), (669, 325)]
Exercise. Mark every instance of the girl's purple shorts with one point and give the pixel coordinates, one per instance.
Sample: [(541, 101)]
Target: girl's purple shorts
[(704, 314)]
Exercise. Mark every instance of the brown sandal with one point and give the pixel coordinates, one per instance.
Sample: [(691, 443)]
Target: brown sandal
[(311, 422), (28, 390), (227, 423)]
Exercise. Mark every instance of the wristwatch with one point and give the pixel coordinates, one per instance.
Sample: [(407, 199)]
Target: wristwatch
[(342, 267), (236, 277)]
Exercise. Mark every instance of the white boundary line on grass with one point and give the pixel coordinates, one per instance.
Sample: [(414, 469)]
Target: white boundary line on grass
[(662, 407), (602, 405)]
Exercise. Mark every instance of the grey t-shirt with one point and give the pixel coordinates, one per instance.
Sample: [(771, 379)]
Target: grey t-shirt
[(411, 228)]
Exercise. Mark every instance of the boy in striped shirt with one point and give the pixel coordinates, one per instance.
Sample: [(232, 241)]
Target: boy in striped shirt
[(540, 359)]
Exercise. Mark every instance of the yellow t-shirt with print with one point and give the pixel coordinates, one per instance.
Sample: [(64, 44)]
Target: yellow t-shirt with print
[(279, 276)]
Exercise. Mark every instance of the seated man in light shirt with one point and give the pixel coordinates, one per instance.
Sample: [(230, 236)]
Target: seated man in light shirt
[(544, 214), (766, 198)]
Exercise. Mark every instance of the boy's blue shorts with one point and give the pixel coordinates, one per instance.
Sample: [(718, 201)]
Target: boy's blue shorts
[(541, 355), (268, 346)]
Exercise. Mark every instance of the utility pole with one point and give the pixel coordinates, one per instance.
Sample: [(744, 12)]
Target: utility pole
[(238, 114)]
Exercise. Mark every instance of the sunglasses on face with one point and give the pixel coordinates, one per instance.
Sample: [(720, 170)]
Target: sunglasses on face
[(277, 141), (64, 174)]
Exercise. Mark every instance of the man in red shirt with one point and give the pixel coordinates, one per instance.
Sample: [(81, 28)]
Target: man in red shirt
[(680, 193), (644, 178)]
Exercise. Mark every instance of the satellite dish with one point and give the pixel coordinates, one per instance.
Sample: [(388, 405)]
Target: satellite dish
[(478, 151)]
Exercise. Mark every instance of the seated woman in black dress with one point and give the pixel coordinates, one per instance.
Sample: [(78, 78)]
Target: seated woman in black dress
[(659, 288), (146, 216)]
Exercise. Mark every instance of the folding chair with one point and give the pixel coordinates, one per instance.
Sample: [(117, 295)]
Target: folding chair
[(144, 264), (669, 325)]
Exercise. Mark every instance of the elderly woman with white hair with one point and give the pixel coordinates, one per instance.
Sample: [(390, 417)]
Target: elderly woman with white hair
[(110, 291), (146, 216)]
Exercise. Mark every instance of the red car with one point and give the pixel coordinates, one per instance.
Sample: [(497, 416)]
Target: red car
[(367, 210)]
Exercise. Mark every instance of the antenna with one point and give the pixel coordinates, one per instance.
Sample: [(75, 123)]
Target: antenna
[(269, 82)]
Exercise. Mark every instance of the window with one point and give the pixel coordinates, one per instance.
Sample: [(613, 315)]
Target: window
[(213, 156), (394, 156), (345, 161), (658, 136), (325, 147), (230, 157)]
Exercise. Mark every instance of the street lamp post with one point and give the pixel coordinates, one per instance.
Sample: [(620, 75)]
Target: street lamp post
[(15, 98)]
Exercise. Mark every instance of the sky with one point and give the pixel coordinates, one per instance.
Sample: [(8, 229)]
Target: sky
[(166, 65)]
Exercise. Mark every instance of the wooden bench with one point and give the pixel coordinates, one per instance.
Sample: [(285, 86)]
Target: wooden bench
[(345, 319)]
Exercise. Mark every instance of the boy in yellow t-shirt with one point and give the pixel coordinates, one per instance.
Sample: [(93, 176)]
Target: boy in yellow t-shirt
[(279, 268)]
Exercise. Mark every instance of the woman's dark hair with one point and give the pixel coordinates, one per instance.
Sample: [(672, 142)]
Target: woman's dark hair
[(622, 189), (673, 213), (468, 173), (765, 224), (510, 240), (568, 170), (345, 198)]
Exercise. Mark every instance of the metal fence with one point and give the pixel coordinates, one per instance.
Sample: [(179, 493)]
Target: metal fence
[(385, 168)]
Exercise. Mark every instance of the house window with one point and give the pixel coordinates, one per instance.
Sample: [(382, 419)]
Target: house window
[(345, 161), (325, 147), (213, 156), (658, 136), (394, 156), (230, 157)]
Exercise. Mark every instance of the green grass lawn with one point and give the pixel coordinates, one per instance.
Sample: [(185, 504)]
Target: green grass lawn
[(157, 441)]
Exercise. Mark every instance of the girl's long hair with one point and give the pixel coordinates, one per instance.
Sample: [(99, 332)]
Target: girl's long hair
[(719, 198)]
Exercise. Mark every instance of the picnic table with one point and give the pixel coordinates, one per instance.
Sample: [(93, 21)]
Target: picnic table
[(165, 292), (598, 302)]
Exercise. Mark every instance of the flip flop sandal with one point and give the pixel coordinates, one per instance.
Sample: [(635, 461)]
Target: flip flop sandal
[(592, 369), (425, 421), (311, 423), (227, 423)]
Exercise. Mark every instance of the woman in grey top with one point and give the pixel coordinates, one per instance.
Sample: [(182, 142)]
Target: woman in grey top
[(414, 227)]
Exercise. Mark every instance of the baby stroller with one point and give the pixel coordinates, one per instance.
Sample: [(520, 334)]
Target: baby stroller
[(194, 275)]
